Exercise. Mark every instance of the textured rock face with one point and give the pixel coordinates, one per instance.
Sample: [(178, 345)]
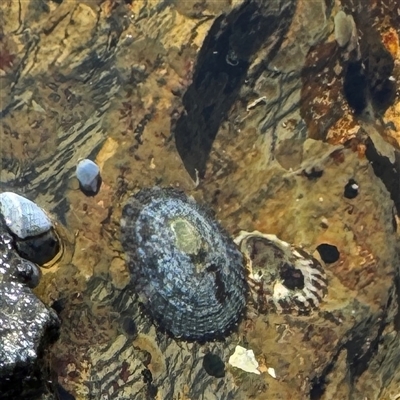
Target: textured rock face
[(27, 327), (251, 107)]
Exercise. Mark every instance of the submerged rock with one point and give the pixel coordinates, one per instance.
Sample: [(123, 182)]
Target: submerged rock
[(187, 271)]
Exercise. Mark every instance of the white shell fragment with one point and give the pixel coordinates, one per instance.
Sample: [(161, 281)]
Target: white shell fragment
[(22, 216), (88, 174), (271, 371), (245, 360)]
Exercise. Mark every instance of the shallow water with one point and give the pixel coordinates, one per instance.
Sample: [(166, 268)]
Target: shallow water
[(107, 81)]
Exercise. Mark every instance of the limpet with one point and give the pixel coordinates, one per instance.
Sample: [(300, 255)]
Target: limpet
[(88, 175), (22, 216), (32, 230), (188, 273), (282, 277)]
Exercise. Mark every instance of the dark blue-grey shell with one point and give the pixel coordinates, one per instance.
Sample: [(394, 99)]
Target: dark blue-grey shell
[(189, 274)]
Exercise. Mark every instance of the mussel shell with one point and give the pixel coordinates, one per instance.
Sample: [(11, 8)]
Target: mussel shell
[(22, 216), (88, 174), (189, 274)]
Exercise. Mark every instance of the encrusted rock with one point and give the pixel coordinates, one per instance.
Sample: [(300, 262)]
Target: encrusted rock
[(27, 326)]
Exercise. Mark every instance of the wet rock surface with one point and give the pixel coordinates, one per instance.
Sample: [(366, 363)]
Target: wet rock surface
[(27, 327), (252, 108)]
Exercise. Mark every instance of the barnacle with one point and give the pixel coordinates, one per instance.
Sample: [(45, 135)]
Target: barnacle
[(282, 277)]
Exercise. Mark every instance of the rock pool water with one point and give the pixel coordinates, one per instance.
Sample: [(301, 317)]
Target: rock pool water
[(265, 138)]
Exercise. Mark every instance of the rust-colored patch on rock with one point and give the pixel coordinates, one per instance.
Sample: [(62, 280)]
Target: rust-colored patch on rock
[(322, 101), (390, 39), (343, 130)]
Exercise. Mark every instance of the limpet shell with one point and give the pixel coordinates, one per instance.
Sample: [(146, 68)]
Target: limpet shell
[(282, 277), (32, 230), (88, 174), (22, 216), (188, 273)]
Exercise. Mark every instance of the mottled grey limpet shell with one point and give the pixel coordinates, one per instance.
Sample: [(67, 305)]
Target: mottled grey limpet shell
[(189, 274), (282, 277)]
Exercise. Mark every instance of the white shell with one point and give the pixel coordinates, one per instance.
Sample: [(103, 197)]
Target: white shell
[(245, 360), (88, 174), (22, 216), (272, 372), (268, 288)]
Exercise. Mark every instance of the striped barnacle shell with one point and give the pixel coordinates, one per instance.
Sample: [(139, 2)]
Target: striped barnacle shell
[(282, 277), (188, 273)]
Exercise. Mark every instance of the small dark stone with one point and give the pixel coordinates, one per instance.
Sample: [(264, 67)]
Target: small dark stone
[(129, 326), (328, 253), (355, 86), (313, 173), (147, 376), (59, 305), (351, 189), (28, 273), (62, 394), (152, 391), (213, 365)]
